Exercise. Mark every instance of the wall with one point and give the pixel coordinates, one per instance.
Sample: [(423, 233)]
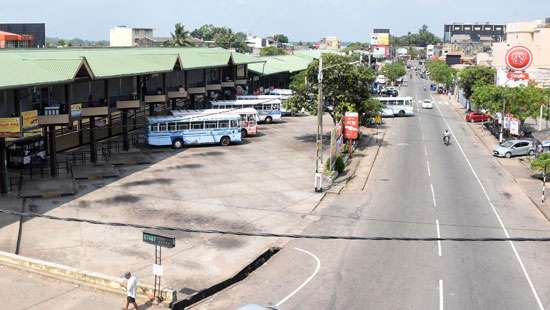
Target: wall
[(120, 37)]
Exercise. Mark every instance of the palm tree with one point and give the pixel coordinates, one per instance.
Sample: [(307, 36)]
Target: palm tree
[(181, 37)]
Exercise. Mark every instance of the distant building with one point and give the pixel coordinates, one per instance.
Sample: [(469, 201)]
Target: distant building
[(474, 33), (35, 31), (330, 43), (123, 36)]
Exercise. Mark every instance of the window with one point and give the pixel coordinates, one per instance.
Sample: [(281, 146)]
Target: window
[(197, 125), (258, 107), (275, 107), (234, 124), (171, 126), (211, 124), (154, 128), (183, 126), (243, 117), (223, 124), (162, 127)]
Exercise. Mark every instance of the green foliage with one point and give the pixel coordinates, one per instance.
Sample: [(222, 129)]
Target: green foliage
[(61, 43), (345, 86), (394, 71), (356, 46), (372, 107), (207, 32), (441, 73), (281, 38), (539, 163), (272, 51), (339, 164), (180, 37), (222, 37), (475, 76), (422, 38), (522, 102)]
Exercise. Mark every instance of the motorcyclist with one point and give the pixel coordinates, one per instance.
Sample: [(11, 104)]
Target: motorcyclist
[(446, 136)]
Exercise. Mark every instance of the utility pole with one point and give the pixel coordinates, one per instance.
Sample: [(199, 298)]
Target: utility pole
[(502, 122), (544, 182), (319, 145)]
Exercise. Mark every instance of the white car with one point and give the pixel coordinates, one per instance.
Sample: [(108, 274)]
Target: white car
[(427, 104)]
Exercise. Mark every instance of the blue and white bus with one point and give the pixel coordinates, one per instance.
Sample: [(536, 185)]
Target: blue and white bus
[(178, 131), (269, 109)]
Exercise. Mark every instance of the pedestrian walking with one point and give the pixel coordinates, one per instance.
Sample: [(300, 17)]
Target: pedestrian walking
[(540, 149), (131, 288)]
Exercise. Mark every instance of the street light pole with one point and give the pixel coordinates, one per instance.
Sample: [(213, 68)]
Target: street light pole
[(319, 145), (502, 122)]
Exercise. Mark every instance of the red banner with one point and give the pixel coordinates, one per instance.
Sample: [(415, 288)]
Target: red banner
[(516, 76), (351, 125)]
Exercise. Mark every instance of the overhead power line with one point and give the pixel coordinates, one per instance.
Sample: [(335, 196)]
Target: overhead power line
[(267, 234)]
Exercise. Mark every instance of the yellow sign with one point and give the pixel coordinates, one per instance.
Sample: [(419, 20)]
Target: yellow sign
[(378, 119), (10, 127), (30, 119)]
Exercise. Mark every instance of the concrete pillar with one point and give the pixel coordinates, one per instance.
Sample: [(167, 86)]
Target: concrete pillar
[(53, 153), (93, 149), (3, 167)]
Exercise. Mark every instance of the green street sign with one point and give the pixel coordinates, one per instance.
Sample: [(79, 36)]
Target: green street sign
[(164, 241)]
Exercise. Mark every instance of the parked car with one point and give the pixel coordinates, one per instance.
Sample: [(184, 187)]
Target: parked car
[(475, 117), (389, 92), (514, 148), (427, 104)]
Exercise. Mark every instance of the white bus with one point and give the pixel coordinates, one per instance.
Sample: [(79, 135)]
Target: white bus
[(397, 106), (269, 109), (249, 117)]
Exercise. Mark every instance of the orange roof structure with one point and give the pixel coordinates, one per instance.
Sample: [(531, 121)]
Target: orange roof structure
[(8, 36)]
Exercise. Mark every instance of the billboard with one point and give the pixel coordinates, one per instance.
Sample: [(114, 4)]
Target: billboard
[(10, 127), (380, 39)]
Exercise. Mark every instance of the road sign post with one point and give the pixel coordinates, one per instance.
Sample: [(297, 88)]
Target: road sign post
[(159, 241)]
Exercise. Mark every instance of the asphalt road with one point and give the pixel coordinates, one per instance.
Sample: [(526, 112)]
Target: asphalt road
[(418, 188)]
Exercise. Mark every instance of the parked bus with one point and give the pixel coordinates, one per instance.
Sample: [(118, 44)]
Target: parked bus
[(178, 131), (249, 118), (397, 106), (269, 109), (282, 94)]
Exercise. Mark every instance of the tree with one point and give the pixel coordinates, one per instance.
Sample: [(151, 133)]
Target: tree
[(280, 38), (61, 43), (522, 102), (475, 76), (229, 40), (346, 87), (355, 46), (540, 162), (272, 51), (181, 37), (394, 71), (441, 73), (421, 39), (205, 32)]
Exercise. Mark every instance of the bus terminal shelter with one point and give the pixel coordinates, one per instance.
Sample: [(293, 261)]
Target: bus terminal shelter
[(86, 95)]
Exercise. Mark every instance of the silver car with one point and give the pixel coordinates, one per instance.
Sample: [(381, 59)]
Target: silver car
[(514, 148)]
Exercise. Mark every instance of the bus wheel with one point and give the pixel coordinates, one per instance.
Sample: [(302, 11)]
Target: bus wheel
[(269, 120), (401, 113), (225, 141), (177, 144), (244, 133)]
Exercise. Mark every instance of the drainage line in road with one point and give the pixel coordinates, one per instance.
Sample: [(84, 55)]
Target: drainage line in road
[(243, 274)]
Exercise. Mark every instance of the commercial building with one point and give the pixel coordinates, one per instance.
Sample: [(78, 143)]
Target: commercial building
[(474, 33), (13, 40), (123, 36), (64, 82), (534, 35), (380, 42), (35, 31)]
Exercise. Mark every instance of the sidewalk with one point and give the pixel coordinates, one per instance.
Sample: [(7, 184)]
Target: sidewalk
[(518, 168)]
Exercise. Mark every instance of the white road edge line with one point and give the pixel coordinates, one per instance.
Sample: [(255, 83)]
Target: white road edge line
[(428, 166), (426, 150), (441, 301), (433, 195), (438, 236), (518, 258), (306, 281)]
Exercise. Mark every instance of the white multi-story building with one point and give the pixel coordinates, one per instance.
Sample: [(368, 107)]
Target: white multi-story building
[(123, 36)]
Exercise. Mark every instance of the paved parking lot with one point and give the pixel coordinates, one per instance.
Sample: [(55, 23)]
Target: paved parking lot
[(264, 184)]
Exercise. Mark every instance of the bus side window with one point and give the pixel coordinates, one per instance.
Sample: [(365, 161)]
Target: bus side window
[(155, 128), (258, 107), (243, 117), (171, 126), (234, 124), (183, 126), (276, 107), (211, 124), (162, 127), (223, 124), (197, 125)]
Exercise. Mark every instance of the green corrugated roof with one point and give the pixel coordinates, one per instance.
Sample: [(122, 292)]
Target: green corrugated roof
[(314, 54), (27, 67), (280, 64)]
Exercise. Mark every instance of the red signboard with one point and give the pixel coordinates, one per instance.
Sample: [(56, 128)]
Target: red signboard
[(351, 125), (519, 58), (517, 76)]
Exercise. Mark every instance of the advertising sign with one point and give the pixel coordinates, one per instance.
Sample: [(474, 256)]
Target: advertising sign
[(351, 125), (76, 110), (514, 127), (10, 127), (30, 119), (519, 58), (507, 78)]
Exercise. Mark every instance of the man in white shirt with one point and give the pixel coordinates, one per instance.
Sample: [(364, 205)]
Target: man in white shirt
[(131, 288)]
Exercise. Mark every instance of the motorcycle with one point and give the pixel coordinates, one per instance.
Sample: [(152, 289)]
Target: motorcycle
[(447, 140)]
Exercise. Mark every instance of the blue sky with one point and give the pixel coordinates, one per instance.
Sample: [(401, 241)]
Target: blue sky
[(351, 20)]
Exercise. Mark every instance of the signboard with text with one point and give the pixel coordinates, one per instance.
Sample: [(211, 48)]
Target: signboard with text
[(10, 127), (158, 239), (30, 119), (351, 125), (519, 58)]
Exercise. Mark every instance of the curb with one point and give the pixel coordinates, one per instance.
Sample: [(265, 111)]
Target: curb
[(81, 277)]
